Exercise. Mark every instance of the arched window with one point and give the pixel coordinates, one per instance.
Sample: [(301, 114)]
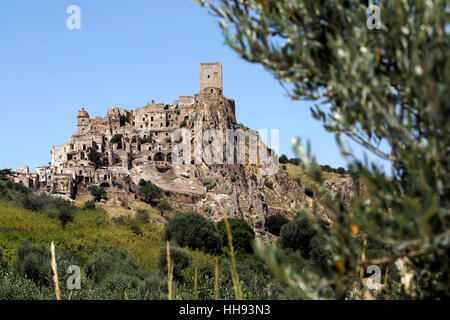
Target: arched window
[(159, 157)]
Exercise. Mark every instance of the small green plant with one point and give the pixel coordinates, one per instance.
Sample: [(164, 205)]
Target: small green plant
[(95, 157), (283, 159), (89, 205), (242, 234), (110, 261), (97, 192), (275, 222), (211, 183), (117, 138), (207, 209), (123, 119), (180, 259), (193, 230), (147, 139), (149, 192), (66, 213), (33, 262), (142, 216), (297, 235), (164, 206)]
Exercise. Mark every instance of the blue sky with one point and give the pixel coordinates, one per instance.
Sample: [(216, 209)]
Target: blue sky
[(126, 54)]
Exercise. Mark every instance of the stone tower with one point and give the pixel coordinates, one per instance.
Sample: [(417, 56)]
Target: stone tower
[(83, 119), (211, 78)]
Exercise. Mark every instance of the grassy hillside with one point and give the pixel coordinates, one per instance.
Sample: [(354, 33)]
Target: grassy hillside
[(87, 234), (297, 172)]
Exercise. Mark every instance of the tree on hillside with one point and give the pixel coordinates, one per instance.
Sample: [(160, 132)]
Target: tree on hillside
[(5, 173), (97, 192), (66, 213), (340, 171), (95, 157), (149, 192), (242, 234), (283, 159), (192, 230), (382, 87)]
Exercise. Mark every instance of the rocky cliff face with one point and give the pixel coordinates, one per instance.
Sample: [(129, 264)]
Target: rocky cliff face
[(236, 190)]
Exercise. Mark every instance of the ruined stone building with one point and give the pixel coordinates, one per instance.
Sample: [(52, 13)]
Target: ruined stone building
[(125, 146), (125, 139)]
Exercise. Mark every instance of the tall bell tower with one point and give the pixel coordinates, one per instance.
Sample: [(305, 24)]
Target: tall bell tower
[(83, 120), (211, 78)]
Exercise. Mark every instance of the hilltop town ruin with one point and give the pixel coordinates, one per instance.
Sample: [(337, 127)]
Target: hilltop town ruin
[(125, 138), (119, 150)]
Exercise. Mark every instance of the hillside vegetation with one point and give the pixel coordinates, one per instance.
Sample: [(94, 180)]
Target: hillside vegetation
[(86, 235)]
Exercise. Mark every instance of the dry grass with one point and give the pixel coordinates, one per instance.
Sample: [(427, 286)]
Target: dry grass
[(55, 272), (84, 237), (234, 273), (196, 283), (216, 280), (169, 272)]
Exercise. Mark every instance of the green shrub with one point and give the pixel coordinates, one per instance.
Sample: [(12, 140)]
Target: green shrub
[(110, 261), (296, 235), (95, 157), (207, 209), (275, 222), (180, 257), (283, 159), (34, 262), (164, 206), (89, 205), (29, 201), (209, 182), (254, 276), (123, 120), (17, 287), (192, 230), (299, 181), (183, 124), (117, 138), (148, 139), (66, 213), (135, 227), (149, 192), (242, 234), (97, 192), (153, 287), (132, 224), (9, 189), (142, 216), (2, 262), (119, 282)]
